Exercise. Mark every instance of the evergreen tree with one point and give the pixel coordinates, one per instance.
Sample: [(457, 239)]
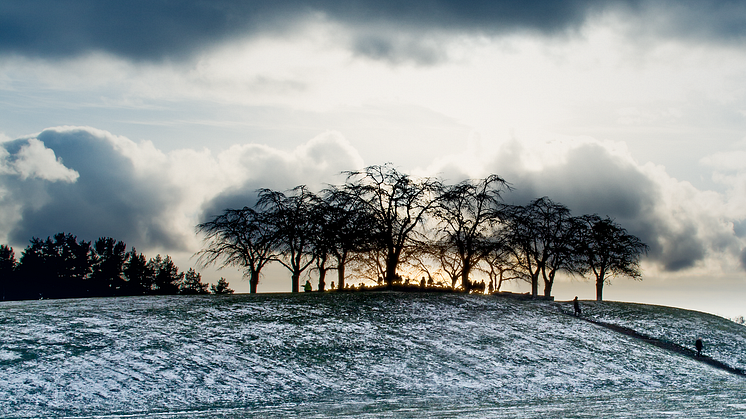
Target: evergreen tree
[(166, 276), (138, 274), (56, 268), (221, 287), (7, 271), (109, 257), (192, 284)]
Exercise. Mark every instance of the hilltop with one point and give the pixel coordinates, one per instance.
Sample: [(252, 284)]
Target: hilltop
[(359, 354)]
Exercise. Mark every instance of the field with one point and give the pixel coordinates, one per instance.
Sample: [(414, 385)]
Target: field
[(359, 355)]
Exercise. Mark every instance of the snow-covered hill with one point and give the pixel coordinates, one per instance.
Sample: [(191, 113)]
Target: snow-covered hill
[(358, 355)]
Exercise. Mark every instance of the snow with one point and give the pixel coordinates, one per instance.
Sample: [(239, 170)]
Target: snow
[(355, 355), (723, 339)]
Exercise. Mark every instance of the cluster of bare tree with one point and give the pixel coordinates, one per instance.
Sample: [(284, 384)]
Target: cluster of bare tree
[(65, 267), (382, 223)]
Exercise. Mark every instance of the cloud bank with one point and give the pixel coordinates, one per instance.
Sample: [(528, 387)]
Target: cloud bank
[(391, 30), (686, 228), (92, 183), (96, 184)]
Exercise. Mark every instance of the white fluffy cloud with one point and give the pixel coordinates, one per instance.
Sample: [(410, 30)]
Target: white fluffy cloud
[(33, 160)]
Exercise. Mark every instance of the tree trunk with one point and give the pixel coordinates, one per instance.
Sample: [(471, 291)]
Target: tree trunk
[(391, 262), (599, 289), (548, 283), (341, 276), (535, 284), (253, 282), (296, 282), (322, 276), (465, 277)]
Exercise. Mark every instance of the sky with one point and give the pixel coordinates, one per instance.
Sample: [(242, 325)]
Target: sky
[(138, 120)]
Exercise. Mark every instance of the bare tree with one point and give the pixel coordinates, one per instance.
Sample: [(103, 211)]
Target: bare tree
[(466, 213), (346, 228), (608, 251), (292, 218), (398, 204), (499, 260), (436, 259), (566, 233), (542, 236), (239, 237)]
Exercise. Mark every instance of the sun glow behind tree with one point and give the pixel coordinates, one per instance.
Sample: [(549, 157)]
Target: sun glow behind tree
[(393, 227)]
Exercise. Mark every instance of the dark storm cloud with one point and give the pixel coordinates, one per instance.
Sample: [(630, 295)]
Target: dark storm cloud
[(107, 199), (389, 30), (593, 181)]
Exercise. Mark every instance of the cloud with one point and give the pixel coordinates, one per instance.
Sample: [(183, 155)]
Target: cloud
[(157, 29), (99, 184), (726, 161), (110, 196), (315, 164), (139, 30), (32, 160), (685, 228), (112, 186)]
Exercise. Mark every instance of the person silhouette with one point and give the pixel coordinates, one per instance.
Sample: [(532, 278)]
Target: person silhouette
[(698, 344), (576, 306), (307, 287)]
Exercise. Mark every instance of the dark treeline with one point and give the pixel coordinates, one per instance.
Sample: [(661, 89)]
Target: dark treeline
[(391, 228), (65, 267)]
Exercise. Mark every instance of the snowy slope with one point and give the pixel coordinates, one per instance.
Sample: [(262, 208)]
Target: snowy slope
[(377, 354), (724, 340)]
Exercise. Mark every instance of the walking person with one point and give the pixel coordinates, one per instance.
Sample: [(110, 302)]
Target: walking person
[(576, 306), (699, 345)]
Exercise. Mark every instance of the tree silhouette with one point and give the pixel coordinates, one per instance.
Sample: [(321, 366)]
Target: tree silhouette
[(109, 257), (222, 287), (608, 250), (564, 236), (398, 204), (346, 227), (166, 275), (7, 272), (192, 284), (292, 218), (56, 268), (63, 267), (542, 236), (439, 253), (500, 263), (323, 241), (467, 213), (138, 273), (381, 220), (243, 238)]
